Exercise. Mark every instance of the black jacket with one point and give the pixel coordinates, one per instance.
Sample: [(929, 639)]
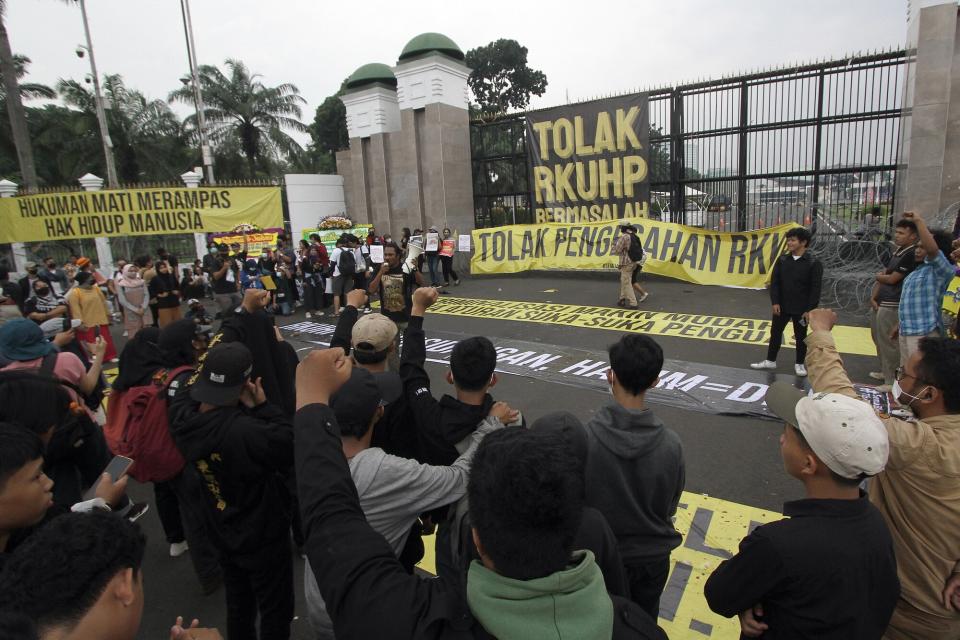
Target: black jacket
[(366, 591), (795, 284), (241, 454), (440, 424), (274, 361), (828, 571)]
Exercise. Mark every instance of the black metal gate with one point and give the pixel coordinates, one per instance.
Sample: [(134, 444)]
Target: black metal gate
[(815, 144)]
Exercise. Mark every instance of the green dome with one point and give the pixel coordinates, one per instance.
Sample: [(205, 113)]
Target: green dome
[(370, 74), (430, 42)]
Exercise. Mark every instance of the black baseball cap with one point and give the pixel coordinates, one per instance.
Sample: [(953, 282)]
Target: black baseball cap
[(225, 369), (358, 399)]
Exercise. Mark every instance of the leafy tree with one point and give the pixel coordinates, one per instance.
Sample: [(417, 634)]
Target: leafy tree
[(14, 106), (501, 78), (238, 106), (328, 133), (149, 140)]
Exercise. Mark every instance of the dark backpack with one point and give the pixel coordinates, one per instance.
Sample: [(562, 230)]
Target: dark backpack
[(636, 249), (137, 427), (347, 262)]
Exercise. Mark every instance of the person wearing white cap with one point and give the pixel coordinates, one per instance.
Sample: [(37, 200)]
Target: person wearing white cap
[(829, 570), (919, 491)]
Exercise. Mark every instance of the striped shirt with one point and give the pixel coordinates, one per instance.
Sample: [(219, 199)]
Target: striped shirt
[(922, 296)]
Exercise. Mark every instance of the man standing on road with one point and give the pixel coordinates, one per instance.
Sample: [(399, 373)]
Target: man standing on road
[(630, 251), (794, 291), (224, 279), (396, 292), (885, 302), (918, 493), (635, 469)]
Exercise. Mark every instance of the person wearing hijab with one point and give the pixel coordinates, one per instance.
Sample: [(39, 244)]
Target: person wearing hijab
[(88, 305), (132, 294), (165, 292), (45, 304), (250, 276), (140, 360)]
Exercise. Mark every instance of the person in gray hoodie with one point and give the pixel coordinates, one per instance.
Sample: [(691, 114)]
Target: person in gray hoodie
[(393, 491), (635, 470)]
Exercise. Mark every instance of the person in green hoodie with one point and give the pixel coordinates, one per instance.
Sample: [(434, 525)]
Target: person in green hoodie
[(525, 504)]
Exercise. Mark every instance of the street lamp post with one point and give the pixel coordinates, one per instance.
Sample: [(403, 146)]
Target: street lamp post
[(98, 100), (205, 150)]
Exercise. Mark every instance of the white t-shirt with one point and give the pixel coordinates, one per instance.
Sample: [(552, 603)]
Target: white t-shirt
[(335, 260)]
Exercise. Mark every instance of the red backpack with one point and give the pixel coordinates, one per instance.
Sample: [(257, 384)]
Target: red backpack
[(137, 427)]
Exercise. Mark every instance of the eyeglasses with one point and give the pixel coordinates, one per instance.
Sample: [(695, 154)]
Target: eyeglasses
[(900, 373)]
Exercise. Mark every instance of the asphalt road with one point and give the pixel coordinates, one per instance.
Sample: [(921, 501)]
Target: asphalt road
[(732, 458)]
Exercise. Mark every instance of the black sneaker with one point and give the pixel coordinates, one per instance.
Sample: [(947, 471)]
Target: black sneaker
[(136, 510)]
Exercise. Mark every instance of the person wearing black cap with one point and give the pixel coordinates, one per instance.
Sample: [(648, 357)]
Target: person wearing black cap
[(393, 491), (241, 445)]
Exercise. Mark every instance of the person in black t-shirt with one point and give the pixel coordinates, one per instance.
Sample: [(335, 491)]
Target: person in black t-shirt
[(395, 286), (827, 571)]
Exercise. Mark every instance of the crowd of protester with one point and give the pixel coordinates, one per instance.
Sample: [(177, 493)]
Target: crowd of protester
[(551, 528)]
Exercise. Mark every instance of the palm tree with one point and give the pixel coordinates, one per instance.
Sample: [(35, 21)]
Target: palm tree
[(239, 106), (14, 104), (149, 140)]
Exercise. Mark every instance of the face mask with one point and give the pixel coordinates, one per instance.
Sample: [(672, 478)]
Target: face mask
[(214, 251), (899, 393)]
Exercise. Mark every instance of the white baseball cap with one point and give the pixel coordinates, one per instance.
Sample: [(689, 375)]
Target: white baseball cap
[(844, 432)]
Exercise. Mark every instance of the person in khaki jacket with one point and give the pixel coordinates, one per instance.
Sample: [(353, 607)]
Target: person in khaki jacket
[(919, 491)]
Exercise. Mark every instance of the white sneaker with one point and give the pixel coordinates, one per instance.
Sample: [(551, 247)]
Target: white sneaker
[(877, 375), (800, 370), (177, 549), (644, 297), (764, 364), (307, 315), (126, 334)]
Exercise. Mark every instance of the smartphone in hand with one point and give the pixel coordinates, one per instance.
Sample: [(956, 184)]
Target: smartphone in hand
[(116, 468)]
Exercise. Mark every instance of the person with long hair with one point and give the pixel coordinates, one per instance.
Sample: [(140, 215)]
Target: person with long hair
[(165, 291), (448, 246), (134, 299)]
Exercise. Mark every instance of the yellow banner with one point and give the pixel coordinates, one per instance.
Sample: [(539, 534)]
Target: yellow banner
[(137, 212), (951, 300), (690, 254)]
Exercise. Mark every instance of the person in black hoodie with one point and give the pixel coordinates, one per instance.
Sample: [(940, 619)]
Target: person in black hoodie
[(442, 425), (794, 291), (274, 360), (529, 583), (635, 469), (242, 445)]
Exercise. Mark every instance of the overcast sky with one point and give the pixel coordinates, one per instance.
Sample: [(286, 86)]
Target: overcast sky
[(586, 48)]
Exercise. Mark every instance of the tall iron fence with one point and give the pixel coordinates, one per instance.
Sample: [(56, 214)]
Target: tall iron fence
[(815, 144)]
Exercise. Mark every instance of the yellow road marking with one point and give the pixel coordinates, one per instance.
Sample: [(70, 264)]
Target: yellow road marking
[(712, 530), (853, 340)]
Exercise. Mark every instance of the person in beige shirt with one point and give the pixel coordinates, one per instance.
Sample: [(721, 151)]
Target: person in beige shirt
[(919, 491)]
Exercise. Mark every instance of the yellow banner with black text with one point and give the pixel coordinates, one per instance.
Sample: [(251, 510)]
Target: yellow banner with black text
[(673, 250), (137, 212)]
